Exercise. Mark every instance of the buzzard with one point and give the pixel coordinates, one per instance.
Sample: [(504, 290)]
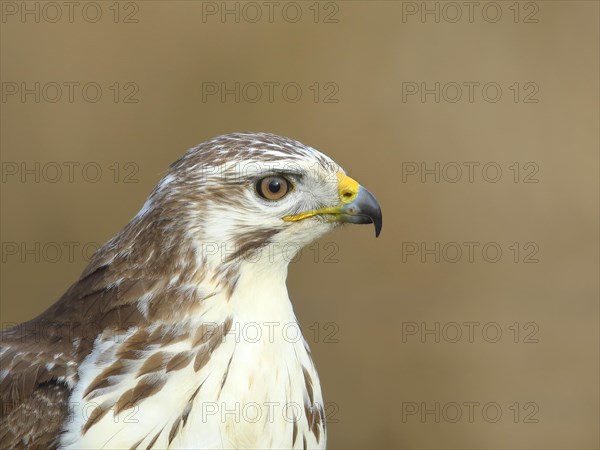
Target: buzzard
[(180, 332)]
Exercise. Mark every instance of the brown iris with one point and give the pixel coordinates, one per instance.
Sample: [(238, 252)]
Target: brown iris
[(273, 188)]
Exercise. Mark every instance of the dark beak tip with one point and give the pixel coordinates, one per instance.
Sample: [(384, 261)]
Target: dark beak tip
[(378, 223), (377, 229), (374, 213)]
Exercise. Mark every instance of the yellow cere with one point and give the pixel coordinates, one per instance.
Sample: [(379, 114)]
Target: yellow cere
[(347, 189)]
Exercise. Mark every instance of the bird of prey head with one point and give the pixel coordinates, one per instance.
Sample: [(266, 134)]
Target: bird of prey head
[(243, 191), (210, 246)]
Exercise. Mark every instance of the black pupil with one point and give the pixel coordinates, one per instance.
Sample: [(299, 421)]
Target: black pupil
[(274, 186)]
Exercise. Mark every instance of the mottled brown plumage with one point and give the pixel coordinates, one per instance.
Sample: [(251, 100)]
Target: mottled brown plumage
[(133, 320)]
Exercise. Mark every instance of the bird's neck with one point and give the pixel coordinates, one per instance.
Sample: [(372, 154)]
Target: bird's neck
[(261, 294)]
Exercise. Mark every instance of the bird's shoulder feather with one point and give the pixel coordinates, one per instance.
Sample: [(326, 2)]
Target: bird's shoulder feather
[(39, 359)]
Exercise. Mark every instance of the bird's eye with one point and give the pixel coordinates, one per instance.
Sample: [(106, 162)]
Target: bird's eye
[(273, 188)]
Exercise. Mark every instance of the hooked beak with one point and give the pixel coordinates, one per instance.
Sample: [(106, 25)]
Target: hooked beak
[(357, 205), (363, 209)]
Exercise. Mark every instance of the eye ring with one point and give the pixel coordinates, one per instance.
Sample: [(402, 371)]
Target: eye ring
[(273, 187)]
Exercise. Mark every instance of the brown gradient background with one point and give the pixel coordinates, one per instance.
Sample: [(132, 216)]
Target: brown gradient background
[(369, 292)]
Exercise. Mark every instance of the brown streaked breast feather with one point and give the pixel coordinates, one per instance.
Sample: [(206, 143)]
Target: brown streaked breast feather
[(146, 387), (103, 380), (97, 413), (179, 361), (309, 385), (154, 363), (154, 439), (294, 431)]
